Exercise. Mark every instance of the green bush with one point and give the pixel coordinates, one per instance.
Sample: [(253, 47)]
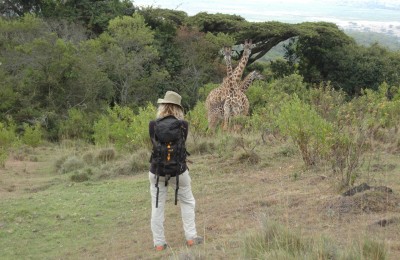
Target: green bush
[(8, 136), (373, 112), (8, 139), (113, 128), (124, 129), (266, 99), (77, 125), (32, 135), (310, 132), (197, 118), (326, 101), (139, 128), (346, 154), (102, 131)]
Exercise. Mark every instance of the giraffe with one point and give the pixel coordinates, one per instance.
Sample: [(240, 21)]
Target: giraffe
[(237, 102), (216, 98)]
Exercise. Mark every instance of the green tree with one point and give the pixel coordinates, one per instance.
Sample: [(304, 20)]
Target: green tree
[(314, 45), (355, 67), (130, 60), (94, 14)]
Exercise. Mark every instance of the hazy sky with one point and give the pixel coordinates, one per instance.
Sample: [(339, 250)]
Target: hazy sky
[(281, 10)]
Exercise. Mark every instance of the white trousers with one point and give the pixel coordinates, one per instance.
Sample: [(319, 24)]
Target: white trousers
[(186, 201)]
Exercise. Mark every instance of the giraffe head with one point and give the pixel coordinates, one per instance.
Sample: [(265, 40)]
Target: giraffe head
[(247, 47)]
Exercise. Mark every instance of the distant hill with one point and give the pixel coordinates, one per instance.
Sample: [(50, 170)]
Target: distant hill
[(369, 38), (363, 38)]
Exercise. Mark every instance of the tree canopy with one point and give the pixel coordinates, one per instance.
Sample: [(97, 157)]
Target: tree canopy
[(90, 54)]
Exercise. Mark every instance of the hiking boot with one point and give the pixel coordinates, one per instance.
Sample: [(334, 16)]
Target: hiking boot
[(160, 248), (195, 241)]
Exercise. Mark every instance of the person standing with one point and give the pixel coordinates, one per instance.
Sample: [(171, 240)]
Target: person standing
[(168, 168)]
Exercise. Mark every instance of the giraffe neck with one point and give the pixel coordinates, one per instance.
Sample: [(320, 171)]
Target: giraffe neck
[(238, 72), (229, 83), (245, 84), (228, 61)]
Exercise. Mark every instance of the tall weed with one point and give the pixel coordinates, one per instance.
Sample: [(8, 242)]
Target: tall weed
[(274, 241)]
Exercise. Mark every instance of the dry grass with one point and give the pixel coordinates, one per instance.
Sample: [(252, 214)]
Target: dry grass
[(234, 196)]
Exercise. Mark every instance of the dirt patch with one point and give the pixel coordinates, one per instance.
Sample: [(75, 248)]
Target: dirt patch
[(18, 176), (369, 201), (386, 222), (364, 187)]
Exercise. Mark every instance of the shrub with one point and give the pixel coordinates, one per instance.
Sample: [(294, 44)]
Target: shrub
[(88, 158), (8, 139), (71, 164), (123, 128), (198, 121), (80, 177), (106, 155), (59, 162), (326, 101), (134, 164), (8, 136), (77, 125), (265, 100), (346, 154), (113, 127), (310, 132), (32, 135), (249, 157), (138, 132)]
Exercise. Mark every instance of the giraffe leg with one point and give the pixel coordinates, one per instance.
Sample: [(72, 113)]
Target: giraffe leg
[(227, 115)]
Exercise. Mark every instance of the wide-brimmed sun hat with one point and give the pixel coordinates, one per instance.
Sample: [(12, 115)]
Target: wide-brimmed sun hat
[(171, 97)]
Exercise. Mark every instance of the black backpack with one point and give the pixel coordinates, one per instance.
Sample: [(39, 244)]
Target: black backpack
[(169, 151)]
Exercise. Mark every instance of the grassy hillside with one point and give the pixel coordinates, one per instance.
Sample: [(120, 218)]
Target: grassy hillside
[(244, 195)]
